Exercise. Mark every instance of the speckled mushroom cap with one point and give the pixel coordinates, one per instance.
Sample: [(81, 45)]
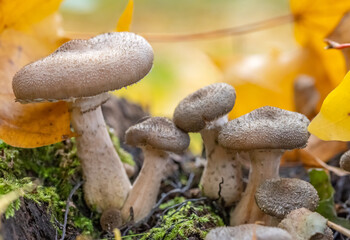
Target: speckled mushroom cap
[(204, 105), (278, 197), (159, 133), (84, 68), (266, 128), (246, 232), (345, 161)]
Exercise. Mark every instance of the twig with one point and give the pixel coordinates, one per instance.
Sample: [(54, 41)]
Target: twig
[(335, 45), (239, 30), (338, 228), (161, 200), (231, 31), (75, 188)]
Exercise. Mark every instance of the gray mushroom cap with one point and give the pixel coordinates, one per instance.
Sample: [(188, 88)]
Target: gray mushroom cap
[(266, 128), (204, 105), (246, 232), (159, 133), (345, 161), (85, 68), (278, 197)]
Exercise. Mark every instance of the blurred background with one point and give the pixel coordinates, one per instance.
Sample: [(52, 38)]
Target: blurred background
[(262, 65)]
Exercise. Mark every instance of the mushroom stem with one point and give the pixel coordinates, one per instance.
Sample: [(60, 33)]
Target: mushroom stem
[(106, 183), (222, 164), (143, 195), (264, 165)]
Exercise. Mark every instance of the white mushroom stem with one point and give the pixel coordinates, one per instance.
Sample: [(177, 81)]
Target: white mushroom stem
[(222, 164), (106, 183), (264, 165), (143, 195)]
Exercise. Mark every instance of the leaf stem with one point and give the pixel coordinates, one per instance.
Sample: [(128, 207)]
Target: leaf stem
[(340, 229)]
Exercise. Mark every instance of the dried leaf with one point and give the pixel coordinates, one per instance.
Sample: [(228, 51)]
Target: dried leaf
[(126, 18), (29, 125)]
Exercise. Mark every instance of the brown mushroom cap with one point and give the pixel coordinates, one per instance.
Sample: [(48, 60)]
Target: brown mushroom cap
[(83, 68), (247, 231), (111, 219), (345, 161), (204, 105), (278, 197), (159, 133), (266, 128)]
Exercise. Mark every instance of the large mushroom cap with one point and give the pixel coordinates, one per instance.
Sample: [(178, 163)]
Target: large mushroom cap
[(345, 161), (159, 133), (246, 232), (84, 68), (266, 128), (204, 105), (278, 197)]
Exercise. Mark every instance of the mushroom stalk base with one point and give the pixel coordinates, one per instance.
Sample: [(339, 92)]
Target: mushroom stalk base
[(143, 195), (222, 172), (106, 183), (264, 165)]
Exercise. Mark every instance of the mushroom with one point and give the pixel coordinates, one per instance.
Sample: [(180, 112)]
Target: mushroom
[(248, 232), (304, 224), (111, 219), (205, 111), (278, 197), (265, 134), (345, 161), (81, 72), (157, 136)]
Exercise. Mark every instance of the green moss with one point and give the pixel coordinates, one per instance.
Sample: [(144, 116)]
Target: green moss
[(125, 157), (55, 169), (192, 219)]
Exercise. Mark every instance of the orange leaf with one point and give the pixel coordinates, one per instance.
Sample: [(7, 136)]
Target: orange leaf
[(28, 125), (262, 80), (126, 18), (314, 20), (17, 14)]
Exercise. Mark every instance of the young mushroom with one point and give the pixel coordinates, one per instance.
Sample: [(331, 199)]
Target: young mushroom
[(278, 197), (157, 136), (345, 161), (81, 72), (205, 111), (265, 134), (248, 232)]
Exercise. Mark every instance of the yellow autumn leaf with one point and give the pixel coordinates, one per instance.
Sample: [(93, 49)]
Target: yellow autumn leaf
[(17, 14), (314, 20), (29, 125), (333, 121), (125, 19)]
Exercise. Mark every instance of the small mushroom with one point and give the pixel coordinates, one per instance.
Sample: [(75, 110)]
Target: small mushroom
[(345, 161), (248, 232), (278, 197), (157, 136), (81, 72), (205, 111), (303, 224), (265, 134), (111, 219)]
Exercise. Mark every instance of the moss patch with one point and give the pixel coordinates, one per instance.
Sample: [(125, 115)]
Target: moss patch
[(190, 220), (55, 169)]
